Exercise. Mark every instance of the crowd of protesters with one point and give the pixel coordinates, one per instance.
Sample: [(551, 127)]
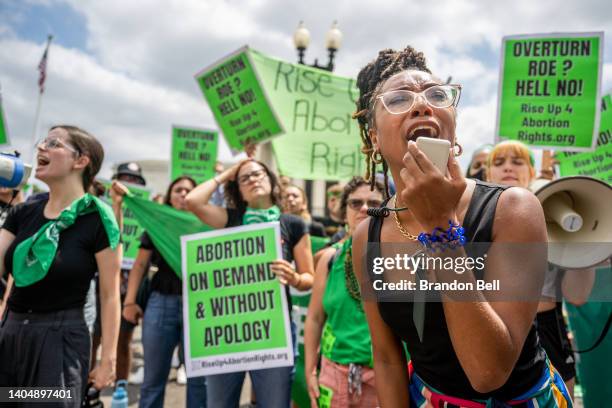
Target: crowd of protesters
[(367, 352)]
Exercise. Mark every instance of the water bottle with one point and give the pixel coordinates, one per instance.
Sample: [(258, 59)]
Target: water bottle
[(120, 396)]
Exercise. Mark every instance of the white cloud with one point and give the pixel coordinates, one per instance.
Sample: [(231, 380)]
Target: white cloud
[(136, 76), (131, 117)]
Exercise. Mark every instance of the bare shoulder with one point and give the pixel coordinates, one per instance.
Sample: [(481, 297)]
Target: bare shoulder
[(519, 216), (360, 239)]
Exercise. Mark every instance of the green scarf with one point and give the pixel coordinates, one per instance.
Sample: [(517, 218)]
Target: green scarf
[(34, 256), (257, 215)]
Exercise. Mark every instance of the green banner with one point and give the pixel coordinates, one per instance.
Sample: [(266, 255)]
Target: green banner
[(132, 231), (597, 164), (234, 308), (194, 153), (549, 90), (165, 226), (320, 140), (4, 139), (237, 101), (299, 388)]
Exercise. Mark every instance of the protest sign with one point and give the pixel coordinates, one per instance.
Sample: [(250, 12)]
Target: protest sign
[(313, 109), (597, 164), (235, 310), (4, 139), (321, 140), (194, 153), (549, 90), (237, 101), (132, 231)]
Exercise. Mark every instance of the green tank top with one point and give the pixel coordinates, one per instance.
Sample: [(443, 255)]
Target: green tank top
[(346, 337)]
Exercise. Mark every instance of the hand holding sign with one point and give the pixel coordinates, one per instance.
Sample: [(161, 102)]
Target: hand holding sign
[(116, 192), (285, 273)]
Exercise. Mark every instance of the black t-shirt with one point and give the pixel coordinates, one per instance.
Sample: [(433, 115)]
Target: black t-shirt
[(66, 284), (164, 281), (331, 226), (316, 229), (292, 229)]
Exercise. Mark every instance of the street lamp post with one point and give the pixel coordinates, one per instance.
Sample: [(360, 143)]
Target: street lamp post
[(316, 190), (333, 40)]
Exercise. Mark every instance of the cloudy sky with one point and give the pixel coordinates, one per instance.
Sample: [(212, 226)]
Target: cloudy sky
[(124, 69)]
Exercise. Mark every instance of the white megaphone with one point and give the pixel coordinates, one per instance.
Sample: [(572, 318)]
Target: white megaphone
[(14, 173), (578, 220)]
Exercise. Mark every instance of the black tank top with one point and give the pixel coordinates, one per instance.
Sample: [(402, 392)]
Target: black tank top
[(434, 360)]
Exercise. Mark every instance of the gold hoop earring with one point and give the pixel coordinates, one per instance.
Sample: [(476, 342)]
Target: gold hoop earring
[(457, 154), (374, 159)]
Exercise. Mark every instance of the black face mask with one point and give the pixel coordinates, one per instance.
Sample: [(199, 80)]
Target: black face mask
[(480, 175)]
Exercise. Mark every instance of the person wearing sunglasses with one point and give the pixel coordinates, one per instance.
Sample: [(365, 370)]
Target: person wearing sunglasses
[(478, 163), (336, 323), (52, 248), (253, 194), (465, 350)]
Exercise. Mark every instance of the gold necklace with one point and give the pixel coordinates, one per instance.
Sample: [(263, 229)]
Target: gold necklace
[(400, 227)]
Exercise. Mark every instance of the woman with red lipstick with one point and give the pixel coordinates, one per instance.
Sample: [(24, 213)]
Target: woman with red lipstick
[(52, 248), (252, 194), (336, 323), (466, 353)]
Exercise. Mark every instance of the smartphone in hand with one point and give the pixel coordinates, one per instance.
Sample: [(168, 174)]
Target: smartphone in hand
[(436, 150)]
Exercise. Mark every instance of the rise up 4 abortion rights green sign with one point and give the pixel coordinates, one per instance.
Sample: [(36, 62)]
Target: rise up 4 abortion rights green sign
[(132, 231), (234, 308), (549, 90), (194, 153), (311, 108), (597, 164)]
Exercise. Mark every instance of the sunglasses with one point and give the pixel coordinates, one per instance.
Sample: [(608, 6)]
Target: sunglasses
[(356, 203)]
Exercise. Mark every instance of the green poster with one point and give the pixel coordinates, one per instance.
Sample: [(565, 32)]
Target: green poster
[(321, 140), (132, 231), (311, 108), (194, 153), (237, 101), (234, 308), (597, 164), (549, 90), (299, 389), (4, 139)]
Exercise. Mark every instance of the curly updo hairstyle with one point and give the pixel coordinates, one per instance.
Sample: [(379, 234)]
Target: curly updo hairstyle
[(371, 77)]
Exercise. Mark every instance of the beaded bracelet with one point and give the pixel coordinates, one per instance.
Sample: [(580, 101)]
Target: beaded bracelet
[(440, 239)]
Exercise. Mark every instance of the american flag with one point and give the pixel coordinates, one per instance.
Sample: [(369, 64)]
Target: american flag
[(42, 68)]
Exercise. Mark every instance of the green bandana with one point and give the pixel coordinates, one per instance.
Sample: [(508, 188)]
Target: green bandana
[(34, 256), (257, 215)]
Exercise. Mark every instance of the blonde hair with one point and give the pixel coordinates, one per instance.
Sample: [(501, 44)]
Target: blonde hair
[(516, 148)]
